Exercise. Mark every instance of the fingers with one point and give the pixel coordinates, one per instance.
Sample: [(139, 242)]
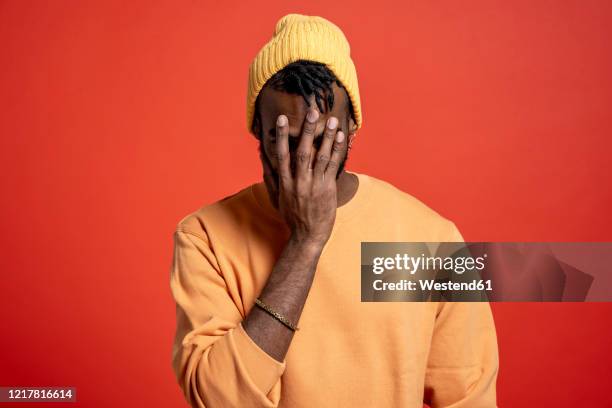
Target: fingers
[(325, 150), (282, 150), (304, 150), (334, 162)]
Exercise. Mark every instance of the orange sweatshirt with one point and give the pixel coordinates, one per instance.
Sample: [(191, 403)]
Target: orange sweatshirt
[(346, 353)]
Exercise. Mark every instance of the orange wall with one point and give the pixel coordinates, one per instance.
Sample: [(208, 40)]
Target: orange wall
[(118, 118)]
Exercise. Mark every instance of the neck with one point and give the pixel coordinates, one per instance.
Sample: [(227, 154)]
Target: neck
[(346, 186)]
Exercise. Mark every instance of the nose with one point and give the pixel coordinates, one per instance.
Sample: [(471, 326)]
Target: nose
[(295, 134), (294, 141)]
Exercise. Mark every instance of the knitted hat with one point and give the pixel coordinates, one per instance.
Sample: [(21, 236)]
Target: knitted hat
[(311, 38)]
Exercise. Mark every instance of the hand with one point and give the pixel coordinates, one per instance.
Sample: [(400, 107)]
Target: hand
[(307, 200)]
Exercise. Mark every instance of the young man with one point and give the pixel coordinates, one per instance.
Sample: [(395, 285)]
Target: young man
[(284, 254)]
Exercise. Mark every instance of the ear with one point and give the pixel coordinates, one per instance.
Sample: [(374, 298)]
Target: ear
[(256, 127), (352, 131), (351, 139), (352, 126)]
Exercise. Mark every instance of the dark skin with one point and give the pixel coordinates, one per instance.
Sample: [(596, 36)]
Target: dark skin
[(302, 152)]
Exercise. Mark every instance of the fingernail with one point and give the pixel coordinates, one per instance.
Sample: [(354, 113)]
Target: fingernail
[(332, 123), (312, 116), (339, 136), (281, 120)]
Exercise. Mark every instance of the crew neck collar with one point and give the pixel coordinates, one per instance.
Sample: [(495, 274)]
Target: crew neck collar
[(343, 213)]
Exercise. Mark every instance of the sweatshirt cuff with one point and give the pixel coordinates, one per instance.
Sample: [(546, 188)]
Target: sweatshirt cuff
[(262, 368)]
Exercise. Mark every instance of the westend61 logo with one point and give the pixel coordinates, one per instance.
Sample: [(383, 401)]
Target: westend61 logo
[(412, 264)]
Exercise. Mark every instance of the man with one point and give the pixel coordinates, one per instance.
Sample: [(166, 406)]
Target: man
[(267, 281)]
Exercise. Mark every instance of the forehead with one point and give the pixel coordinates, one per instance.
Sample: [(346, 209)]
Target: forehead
[(274, 103)]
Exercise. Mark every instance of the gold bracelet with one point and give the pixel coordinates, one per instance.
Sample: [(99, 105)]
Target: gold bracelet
[(278, 316)]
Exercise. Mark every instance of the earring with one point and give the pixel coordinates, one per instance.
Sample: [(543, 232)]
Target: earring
[(350, 143)]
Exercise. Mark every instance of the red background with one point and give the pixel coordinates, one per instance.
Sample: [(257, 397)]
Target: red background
[(119, 118)]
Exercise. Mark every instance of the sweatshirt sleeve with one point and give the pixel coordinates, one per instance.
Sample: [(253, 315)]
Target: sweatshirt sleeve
[(215, 361), (463, 360)]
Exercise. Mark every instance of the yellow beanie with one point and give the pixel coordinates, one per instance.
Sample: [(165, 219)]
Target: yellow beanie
[(310, 38)]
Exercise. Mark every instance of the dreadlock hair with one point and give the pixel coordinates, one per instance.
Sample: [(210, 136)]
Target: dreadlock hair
[(306, 78)]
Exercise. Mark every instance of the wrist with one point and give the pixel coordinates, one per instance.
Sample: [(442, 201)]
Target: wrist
[(307, 244)]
